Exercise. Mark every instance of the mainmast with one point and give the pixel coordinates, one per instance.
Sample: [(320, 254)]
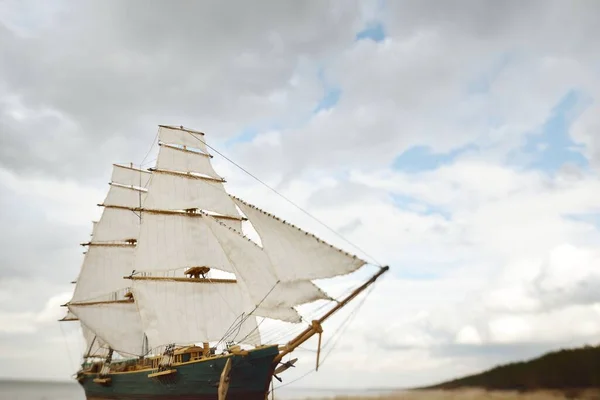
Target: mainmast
[(191, 223)]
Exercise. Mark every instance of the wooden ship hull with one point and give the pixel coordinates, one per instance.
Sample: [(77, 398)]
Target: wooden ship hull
[(249, 378)]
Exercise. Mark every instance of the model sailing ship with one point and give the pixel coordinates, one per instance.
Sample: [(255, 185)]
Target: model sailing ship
[(159, 318)]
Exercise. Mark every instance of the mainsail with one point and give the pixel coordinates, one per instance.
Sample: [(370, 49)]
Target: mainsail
[(194, 276)]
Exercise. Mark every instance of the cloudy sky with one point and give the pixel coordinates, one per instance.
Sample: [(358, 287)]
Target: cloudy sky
[(457, 141)]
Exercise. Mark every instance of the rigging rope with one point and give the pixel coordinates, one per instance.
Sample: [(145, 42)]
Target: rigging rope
[(233, 327), (343, 326), (67, 346), (151, 147), (287, 199)]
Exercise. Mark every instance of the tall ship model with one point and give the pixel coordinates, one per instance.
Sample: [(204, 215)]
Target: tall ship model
[(171, 292)]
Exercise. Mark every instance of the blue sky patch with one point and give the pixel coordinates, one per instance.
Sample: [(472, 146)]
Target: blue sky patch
[(588, 217), (330, 99), (420, 158), (415, 205), (414, 275), (245, 136), (331, 95), (552, 147), (374, 31)]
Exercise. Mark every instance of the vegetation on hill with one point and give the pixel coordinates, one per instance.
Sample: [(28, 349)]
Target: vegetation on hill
[(561, 370)]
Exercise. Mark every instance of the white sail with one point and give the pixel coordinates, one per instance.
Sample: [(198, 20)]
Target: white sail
[(231, 223), (253, 268), (94, 223), (118, 324), (130, 176), (69, 317), (177, 159), (124, 196), (94, 346), (288, 314), (117, 225), (169, 191), (103, 270), (193, 312), (170, 241), (295, 254), (181, 137)]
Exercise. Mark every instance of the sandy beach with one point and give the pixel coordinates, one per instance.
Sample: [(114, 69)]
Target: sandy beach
[(474, 394)]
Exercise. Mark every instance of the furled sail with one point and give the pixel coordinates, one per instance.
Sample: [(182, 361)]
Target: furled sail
[(192, 312), (296, 254), (118, 324)]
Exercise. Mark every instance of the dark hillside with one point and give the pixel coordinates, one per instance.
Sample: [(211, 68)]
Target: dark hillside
[(564, 369)]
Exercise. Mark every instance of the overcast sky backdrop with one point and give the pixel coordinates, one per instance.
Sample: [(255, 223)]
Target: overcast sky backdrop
[(456, 141)]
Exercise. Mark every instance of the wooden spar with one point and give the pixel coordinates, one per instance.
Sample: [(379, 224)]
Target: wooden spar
[(185, 150), (315, 327), (175, 279), (129, 243), (95, 303), (131, 167), (130, 187), (174, 212), (181, 128), (188, 175)]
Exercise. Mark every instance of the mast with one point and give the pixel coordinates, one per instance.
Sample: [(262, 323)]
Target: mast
[(99, 300), (191, 223), (177, 236), (174, 242)]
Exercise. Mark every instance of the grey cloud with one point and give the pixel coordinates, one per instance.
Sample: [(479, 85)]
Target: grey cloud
[(114, 70), (576, 293), (548, 26), (342, 193), (36, 247), (414, 89)]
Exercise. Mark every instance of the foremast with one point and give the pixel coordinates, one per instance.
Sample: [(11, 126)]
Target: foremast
[(101, 301)]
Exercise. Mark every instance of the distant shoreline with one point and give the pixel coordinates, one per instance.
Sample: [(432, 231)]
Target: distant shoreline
[(37, 381)]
